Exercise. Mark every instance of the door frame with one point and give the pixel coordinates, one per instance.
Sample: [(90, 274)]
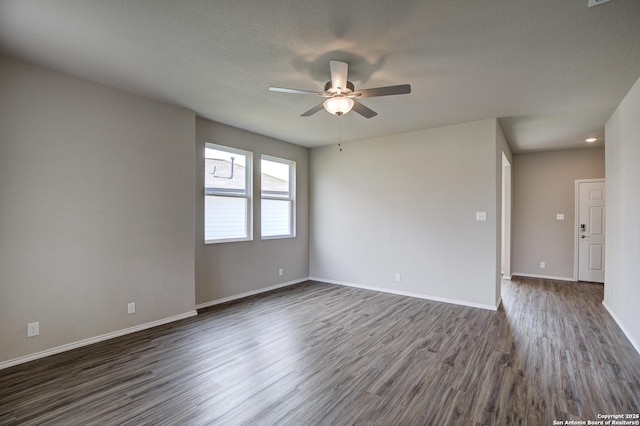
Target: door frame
[(505, 243), (576, 220)]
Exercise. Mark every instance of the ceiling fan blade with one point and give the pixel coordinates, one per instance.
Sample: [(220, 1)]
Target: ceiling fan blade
[(294, 91), (363, 110), (401, 89), (339, 72), (312, 110)]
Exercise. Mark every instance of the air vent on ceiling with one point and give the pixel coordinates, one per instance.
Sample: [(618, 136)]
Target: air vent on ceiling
[(596, 2)]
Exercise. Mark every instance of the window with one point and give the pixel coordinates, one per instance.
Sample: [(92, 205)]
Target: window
[(227, 194), (278, 192)]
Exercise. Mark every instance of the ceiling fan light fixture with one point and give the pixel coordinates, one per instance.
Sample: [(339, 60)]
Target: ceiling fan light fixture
[(338, 105)]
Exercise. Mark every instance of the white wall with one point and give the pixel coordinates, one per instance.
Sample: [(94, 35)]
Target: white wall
[(622, 265), (406, 204), (96, 209), (544, 185), (228, 270)]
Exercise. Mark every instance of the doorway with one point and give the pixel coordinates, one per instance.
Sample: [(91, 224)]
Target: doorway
[(590, 230)]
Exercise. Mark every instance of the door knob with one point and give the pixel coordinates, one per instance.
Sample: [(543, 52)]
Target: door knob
[(583, 236)]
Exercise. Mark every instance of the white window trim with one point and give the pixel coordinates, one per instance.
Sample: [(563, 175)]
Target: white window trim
[(248, 197), (291, 198)]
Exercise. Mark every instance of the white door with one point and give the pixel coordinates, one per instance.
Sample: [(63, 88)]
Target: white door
[(591, 231)]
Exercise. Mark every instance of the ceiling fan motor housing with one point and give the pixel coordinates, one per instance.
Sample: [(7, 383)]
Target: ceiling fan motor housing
[(328, 88)]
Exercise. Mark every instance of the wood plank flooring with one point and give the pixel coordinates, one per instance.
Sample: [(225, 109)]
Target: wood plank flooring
[(320, 354)]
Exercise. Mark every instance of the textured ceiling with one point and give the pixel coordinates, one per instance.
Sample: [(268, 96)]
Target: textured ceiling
[(553, 71)]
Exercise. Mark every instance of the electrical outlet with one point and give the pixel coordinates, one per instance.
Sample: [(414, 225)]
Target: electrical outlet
[(398, 278), (33, 329), (131, 308), (560, 216), (280, 272), (543, 265)]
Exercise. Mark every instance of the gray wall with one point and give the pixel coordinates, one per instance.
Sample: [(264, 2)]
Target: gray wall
[(622, 264), (407, 204), (97, 209), (227, 270), (544, 185)]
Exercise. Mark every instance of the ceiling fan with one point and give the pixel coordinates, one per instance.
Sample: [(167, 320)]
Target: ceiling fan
[(341, 96)]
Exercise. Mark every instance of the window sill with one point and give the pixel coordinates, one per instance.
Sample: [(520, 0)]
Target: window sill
[(278, 237), (228, 240)]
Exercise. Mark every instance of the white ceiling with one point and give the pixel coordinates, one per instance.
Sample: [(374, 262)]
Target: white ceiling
[(553, 71)]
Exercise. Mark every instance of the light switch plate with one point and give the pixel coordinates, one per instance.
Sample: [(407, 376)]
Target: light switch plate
[(481, 216)]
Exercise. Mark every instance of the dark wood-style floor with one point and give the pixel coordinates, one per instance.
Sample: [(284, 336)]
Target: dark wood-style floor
[(319, 354)]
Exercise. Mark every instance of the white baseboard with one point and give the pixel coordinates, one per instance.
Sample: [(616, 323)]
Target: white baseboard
[(249, 293), (546, 277), (407, 293), (622, 327), (96, 339)]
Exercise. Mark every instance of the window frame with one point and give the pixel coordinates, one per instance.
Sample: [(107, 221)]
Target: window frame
[(291, 199), (248, 196)]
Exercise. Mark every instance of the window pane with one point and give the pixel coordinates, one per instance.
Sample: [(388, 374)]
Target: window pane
[(224, 217), (276, 217), (275, 179), (224, 172)]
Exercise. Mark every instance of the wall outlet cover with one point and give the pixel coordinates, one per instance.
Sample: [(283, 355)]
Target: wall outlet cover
[(33, 329), (481, 216)]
